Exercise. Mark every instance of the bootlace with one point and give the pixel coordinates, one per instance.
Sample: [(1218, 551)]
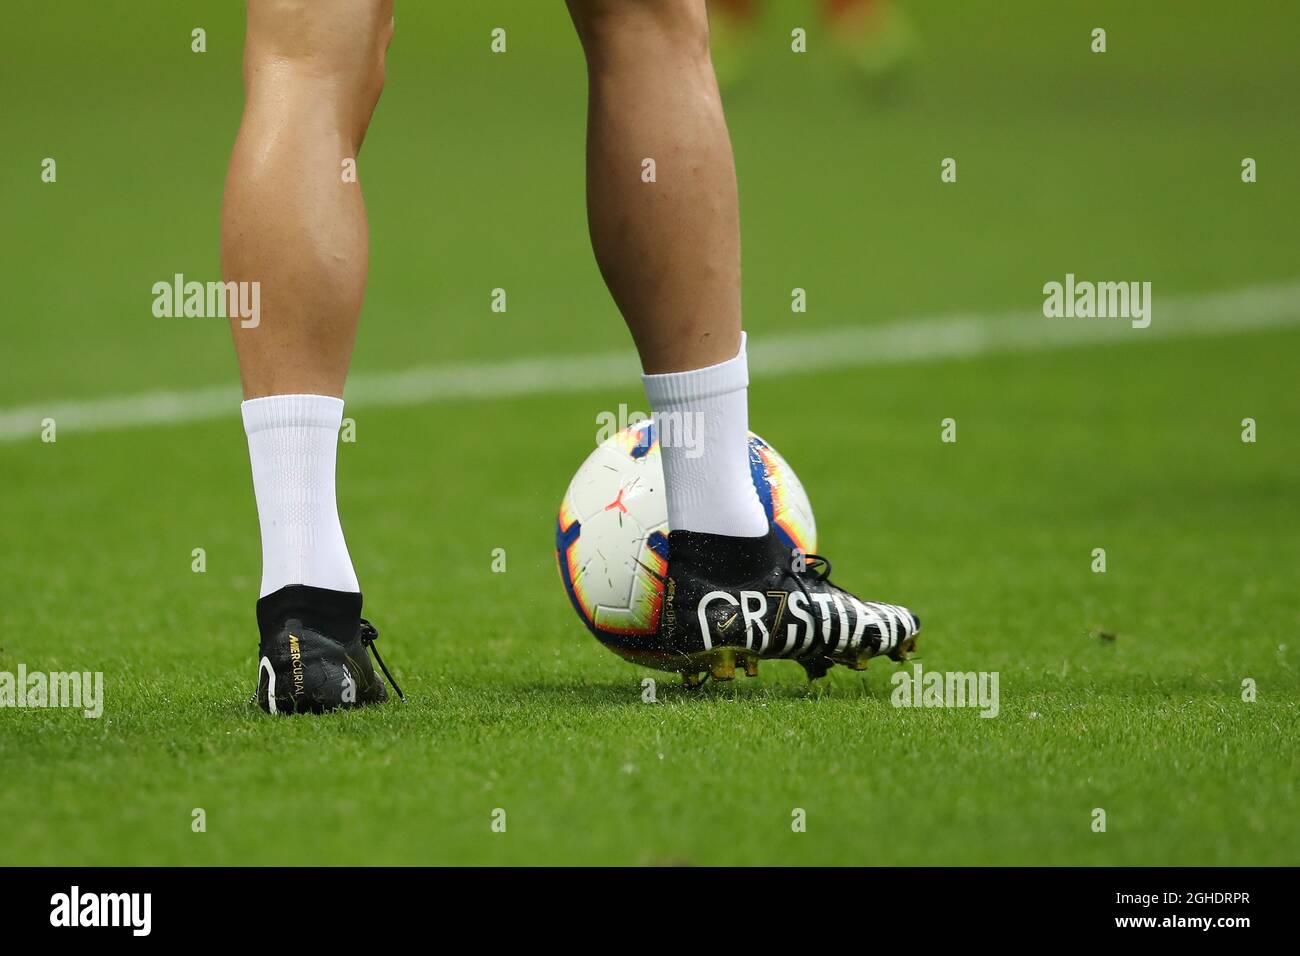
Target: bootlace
[(816, 567), (370, 634)]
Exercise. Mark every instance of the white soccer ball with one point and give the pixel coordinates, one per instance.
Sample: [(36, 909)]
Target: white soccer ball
[(611, 538)]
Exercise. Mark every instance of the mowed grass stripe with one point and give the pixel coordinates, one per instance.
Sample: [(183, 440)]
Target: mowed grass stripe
[(954, 336)]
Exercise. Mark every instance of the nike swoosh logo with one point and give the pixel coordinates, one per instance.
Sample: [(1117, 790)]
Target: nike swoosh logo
[(265, 666)]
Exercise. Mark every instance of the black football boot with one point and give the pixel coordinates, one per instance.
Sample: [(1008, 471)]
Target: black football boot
[(313, 652), (735, 601)]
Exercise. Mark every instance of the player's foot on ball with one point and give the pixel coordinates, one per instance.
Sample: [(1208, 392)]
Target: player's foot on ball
[(313, 652), (730, 602)]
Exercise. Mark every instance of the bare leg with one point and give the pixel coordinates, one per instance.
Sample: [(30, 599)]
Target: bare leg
[(670, 249), (313, 70), (293, 222)]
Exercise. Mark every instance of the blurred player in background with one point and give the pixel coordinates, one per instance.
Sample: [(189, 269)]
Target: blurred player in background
[(873, 37)]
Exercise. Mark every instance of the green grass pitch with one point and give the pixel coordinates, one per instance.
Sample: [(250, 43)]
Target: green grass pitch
[(1121, 691)]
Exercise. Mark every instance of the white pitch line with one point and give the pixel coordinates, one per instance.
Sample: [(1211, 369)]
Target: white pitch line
[(954, 336)]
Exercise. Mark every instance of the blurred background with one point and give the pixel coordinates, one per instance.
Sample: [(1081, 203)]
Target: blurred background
[(1115, 165)]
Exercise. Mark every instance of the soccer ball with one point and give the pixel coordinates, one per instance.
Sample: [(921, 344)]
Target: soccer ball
[(611, 537)]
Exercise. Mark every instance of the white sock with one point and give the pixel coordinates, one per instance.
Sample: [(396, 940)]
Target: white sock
[(708, 486), (293, 444)]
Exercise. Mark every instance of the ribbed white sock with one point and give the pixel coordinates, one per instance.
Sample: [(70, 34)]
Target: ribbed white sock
[(293, 444), (708, 483)]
